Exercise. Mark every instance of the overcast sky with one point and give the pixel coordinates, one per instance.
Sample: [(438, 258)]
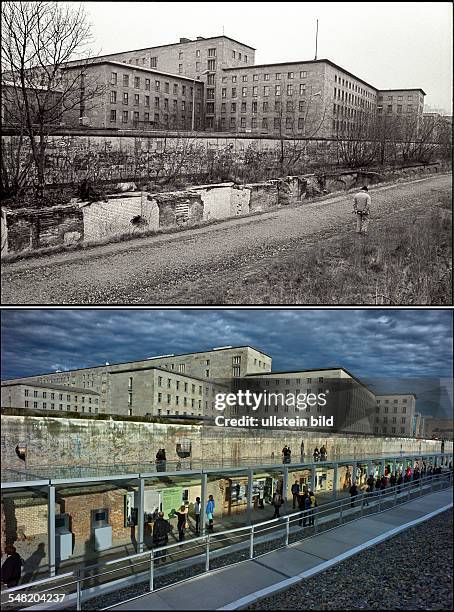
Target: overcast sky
[(388, 44), (394, 344)]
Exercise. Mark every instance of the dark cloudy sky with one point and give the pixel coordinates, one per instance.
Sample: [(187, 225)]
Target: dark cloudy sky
[(369, 343)]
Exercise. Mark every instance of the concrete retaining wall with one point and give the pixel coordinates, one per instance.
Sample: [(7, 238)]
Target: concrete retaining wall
[(135, 212), (75, 441)]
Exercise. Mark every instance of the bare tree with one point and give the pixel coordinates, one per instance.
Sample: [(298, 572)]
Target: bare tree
[(40, 85)]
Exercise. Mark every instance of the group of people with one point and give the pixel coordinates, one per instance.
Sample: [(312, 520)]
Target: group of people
[(394, 479), (305, 500), (162, 527), (320, 455)]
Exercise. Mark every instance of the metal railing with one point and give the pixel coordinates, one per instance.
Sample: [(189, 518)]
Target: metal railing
[(244, 543)]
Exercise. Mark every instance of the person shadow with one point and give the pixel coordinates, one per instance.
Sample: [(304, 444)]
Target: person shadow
[(89, 568), (32, 564)]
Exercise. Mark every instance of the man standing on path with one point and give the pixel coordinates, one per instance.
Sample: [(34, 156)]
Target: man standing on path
[(361, 208)]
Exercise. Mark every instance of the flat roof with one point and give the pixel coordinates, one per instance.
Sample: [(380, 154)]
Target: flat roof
[(230, 348), (186, 42), (394, 394), (315, 370), (49, 386), (406, 89), (318, 61), (135, 67)]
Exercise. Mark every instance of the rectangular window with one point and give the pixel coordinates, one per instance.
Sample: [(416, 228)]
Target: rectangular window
[(303, 89), (125, 98), (233, 92), (290, 75), (233, 107), (147, 84), (147, 100), (157, 85), (136, 99), (303, 74), (166, 87), (113, 78), (113, 97), (255, 90), (244, 92), (211, 65), (113, 115), (265, 107), (277, 90), (125, 80), (153, 62), (137, 82)]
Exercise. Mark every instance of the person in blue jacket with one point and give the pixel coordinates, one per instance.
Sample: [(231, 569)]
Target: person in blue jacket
[(210, 512)]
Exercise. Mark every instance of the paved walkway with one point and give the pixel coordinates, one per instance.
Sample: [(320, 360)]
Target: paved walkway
[(240, 585)]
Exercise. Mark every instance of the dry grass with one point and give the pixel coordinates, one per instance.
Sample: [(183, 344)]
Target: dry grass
[(405, 259)]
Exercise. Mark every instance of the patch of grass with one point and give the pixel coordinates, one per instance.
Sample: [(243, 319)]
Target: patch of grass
[(405, 259)]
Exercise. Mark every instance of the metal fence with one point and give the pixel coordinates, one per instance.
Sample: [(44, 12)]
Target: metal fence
[(161, 567)]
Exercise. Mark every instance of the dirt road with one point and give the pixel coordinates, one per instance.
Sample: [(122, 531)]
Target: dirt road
[(171, 269)]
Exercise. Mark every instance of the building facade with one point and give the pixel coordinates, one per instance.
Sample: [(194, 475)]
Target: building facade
[(169, 385), (186, 385), (295, 99), (395, 415), (139, 98)]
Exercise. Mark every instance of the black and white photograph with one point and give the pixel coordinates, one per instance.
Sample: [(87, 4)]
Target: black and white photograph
[(236, 153), (226, 306)]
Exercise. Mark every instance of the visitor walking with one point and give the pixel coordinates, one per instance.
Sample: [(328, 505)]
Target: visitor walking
[(323, 453), (353, 494), (209, 510), (304, 503), (399, 482), (197, 508), (277, 503), (295, 492), (316, 454), (181, 522), (313, 501), (12, 567), (161, 530)]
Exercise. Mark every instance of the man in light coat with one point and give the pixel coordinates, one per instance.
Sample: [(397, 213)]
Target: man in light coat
[(361, 208)]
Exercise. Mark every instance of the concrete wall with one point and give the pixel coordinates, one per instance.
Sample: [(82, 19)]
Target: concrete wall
[(133, 213), (83, 441), (34, 228), (122, 214)]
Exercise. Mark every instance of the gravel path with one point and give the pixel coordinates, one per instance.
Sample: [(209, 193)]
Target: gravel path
[(411, 571), (171, 269)]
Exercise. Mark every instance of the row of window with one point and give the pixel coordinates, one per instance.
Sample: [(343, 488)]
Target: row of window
[(265, 123), (389, 109), (178, 384), (255, 91), (53, 394), (290, 107), (393, 430), (135, 116), (177, 401), (157, 101), (185, 90), (351, 99), (399, 98), (350, 85), (265, 76), (61, 407), (396, 401), (394, 419)]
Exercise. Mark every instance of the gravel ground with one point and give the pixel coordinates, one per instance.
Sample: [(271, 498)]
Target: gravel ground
[(172, 269), (412, 571)]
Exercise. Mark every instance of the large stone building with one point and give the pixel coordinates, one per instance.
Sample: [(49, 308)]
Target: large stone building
[(186, 385), (170, 385), (395, 415), (137, 97), (314, 98)]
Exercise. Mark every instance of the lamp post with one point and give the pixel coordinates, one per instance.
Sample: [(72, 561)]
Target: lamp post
[(193, 98)]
